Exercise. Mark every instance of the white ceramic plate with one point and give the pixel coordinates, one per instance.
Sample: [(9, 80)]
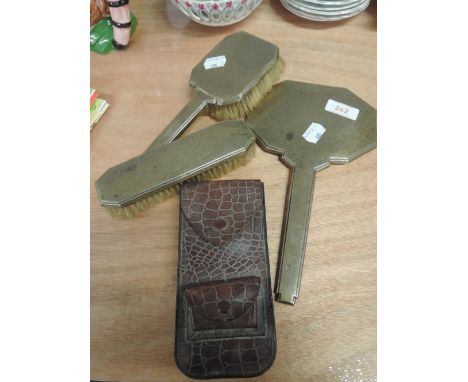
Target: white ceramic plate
[(304, 10)]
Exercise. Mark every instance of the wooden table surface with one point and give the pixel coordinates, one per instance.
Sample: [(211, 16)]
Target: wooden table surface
[(330, 334)]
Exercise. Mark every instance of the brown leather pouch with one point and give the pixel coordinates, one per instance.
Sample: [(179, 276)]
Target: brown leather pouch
[(225, 325)]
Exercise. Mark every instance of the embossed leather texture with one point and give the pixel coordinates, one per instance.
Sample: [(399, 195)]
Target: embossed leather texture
[(224, 321)]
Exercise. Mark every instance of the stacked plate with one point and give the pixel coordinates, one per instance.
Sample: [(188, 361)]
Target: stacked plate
[(325, 10)]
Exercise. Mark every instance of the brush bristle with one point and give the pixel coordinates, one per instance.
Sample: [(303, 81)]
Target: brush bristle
[(239, 110), (134, 209)]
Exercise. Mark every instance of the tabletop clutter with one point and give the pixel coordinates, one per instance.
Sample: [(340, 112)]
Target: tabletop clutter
[(226, 12), (225, 323), (112, 23), (98, 106)]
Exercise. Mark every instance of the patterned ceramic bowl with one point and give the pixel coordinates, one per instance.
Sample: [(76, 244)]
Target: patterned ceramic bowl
[(216, 12)]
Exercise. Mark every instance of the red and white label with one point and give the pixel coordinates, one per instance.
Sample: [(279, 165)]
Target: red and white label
[(342, 109)]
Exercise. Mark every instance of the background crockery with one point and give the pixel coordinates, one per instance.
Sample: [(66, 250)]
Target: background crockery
[(216, 12)]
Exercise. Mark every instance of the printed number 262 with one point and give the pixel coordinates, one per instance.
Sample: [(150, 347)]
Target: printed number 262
[(341, 109)]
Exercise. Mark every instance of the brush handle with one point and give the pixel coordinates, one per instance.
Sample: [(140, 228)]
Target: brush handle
[(181, 121), (294, 237)]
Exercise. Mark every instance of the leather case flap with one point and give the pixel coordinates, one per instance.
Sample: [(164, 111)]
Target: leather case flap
[(224, 304), (218, 212)]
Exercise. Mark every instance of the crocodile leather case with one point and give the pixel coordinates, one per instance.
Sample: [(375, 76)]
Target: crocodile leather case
[(225, 325)]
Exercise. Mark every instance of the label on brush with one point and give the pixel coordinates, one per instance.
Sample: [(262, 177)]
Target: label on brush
[(314, 132), (215, 62), (342, 109)]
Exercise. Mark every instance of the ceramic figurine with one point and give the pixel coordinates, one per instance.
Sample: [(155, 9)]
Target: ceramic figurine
[(112, 32)]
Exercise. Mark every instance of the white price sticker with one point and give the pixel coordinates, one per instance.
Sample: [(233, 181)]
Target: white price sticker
[(314, 132), (342, 109), (215, 62)]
